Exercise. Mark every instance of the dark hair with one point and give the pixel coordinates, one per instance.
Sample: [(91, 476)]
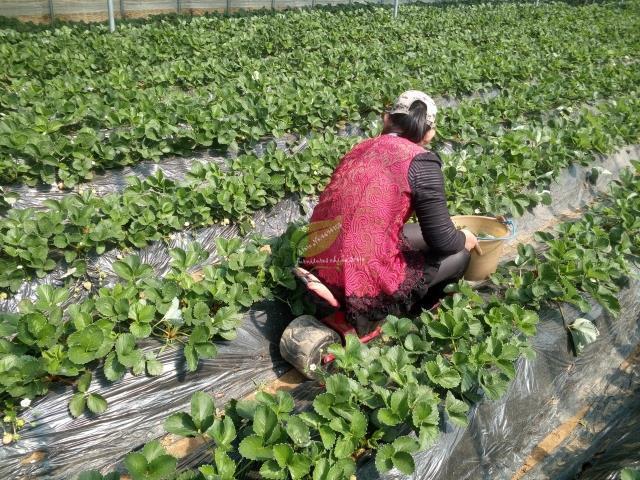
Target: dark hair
[(412, 126)]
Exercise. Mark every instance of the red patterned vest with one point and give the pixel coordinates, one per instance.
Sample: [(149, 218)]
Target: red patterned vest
[(355, 242)]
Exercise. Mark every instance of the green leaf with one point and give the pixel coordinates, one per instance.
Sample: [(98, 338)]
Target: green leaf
[(397, 327), (583, 332), (8, 323), (425, 412), (226, 467), (321, 469), (441, 374), (403, 461), (344, 468), (284, 402), (494, 384), (327, 435), (457, 410), (192, 358), (77, 404), (125, 343), (610, 303), (358, 424), (112, 368), (405, 444), (202, 408), (299, 466), (161, 467), (271, 470), (427, 435), (344, 447), (136, 464), (629, 474), (141, 313), (384, 458), (264, 421), (282, 453), (338, 386), (180, 423), (206, 350), (152, 450), (223, 431), (200, 334), (154, 367), (252, 448), (123, 270), (140, 330), (386, 416), (298, 431), (83, 382), (246, 408), (209, 472), (96, 403)]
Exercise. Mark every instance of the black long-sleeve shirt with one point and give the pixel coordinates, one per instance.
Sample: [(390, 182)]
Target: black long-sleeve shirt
[(430, 204)]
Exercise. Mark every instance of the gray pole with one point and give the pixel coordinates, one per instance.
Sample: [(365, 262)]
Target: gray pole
[(273, 4), (226, 9), (122, 12), (51, 16), (179, 6), (395, 8), (112, 20)]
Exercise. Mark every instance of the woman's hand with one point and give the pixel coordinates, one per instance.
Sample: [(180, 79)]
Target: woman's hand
[(470, 239)]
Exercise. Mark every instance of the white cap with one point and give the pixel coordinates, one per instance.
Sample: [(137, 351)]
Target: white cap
[(404, 101)]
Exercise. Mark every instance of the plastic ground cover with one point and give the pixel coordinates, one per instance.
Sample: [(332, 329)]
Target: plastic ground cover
[(60, 447), (619, 445), (547, 391)]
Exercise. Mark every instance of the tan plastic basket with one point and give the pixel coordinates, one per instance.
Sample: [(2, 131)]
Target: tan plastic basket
[(484, 259)]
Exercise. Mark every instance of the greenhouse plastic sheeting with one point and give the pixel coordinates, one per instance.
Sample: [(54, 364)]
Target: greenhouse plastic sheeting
[(609, 439), (619, 446), (28, 8), (96, 10)]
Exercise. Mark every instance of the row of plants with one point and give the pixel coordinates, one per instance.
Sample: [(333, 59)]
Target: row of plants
[(507, 160), (473, 118), (189, 97), (390, 398), (51, 339), (550, 91)]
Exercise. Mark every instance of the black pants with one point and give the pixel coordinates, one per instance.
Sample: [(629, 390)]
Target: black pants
[(452, 267)]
